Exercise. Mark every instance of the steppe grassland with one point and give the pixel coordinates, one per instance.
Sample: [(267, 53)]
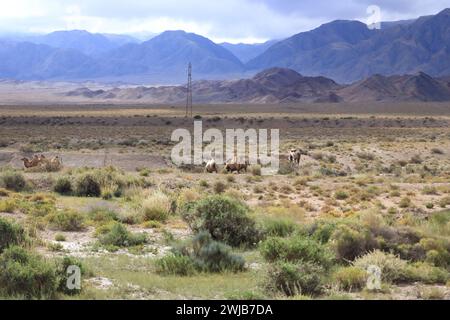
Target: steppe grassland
[(375, 185)]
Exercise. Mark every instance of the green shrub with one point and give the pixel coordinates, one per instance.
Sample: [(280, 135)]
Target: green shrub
[(437, 251), (350, 278), (26, 275), (10, 234), (349, 243), (279, 228), (213, 256), (322, 230), (426, 273), (296, 249), (341, 195), (293, 279), (102, 214), (226, 219), (63, 275), (405, 202), (156, 207), (63, 186), (13, 181), (119, 236), (175, 264), (8, 205), (87, 186), (393, 269), (67, 220), (60, 237), (201, 254)]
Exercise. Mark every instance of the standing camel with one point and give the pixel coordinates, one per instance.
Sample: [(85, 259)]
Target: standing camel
[(295, 156)]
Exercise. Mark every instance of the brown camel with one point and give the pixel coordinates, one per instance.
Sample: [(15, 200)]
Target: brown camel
[(30, 163)]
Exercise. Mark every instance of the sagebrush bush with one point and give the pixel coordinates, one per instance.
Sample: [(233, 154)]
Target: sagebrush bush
[(341, 195), (175, 264), (350, 278), (87, 186), (296, 249), (10, 234), (226, 219), (213, 256), (351, 242), (26, 275), (201, 254), (292, 279), (279, 228), (119, 236), (426, 273), (102, 213), (392, 268), (63, 186), (156, 206), (66, 220), (12, 180)]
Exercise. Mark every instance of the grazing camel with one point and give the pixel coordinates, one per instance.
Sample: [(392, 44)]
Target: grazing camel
[(211, 166), (233, 166), (295, 155), (29, 163)]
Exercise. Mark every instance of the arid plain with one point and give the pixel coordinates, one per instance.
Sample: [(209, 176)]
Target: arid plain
[(373, 189)]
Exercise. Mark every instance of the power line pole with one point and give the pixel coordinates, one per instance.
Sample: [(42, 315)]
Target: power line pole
[(189, 92)]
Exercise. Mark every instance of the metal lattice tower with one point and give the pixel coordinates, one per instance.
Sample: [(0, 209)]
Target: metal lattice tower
[(189, 92)]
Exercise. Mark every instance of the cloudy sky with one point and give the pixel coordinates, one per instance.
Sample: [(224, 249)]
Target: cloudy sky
[(223, 20)]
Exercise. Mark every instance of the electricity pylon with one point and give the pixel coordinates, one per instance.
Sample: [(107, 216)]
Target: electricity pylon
[(189, 92)]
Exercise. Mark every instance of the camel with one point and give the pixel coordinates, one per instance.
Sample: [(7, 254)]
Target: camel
[(30, 163), (295, 155), (233, 166), (42, 161), (56, 161), (211, 166)]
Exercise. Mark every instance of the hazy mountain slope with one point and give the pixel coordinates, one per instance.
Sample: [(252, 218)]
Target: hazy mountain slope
[(245, 52), (87, 43), (170, 52), (317, 51), (347, 51), (33, 61)]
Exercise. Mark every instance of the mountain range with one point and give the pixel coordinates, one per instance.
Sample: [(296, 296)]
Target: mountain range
[(345, 51), (348, 51), (280, 85)]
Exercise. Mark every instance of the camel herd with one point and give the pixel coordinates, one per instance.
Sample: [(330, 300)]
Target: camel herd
[(294, 156), (231, 166), (41, 161)]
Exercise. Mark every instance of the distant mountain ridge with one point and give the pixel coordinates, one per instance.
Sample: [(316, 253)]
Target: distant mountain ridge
[(345, 51), (348, 51), (280, 85)]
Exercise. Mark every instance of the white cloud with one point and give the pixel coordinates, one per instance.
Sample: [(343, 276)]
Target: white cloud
[(230, 20)]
